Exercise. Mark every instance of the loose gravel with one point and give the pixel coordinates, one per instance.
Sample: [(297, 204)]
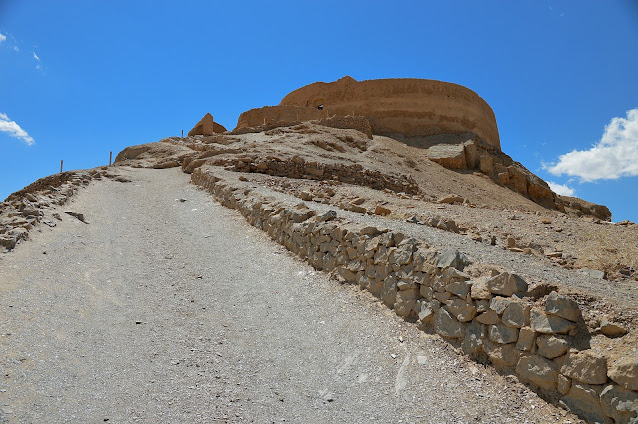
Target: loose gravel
[(166, 307)]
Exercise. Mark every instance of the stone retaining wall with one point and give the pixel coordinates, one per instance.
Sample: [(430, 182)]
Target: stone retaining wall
[(492, 317)]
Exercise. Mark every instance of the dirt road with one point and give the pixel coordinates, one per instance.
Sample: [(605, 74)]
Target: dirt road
[(162, 311)]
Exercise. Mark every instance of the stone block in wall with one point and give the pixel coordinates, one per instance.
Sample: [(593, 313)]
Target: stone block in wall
[(619, 403), (460, 309), (426, 310), (584, 400), (405, 300), (499, 304), (502, 355), (551, 346), (479, 289), (549, 324), (584, 366), (562, 306), (624, 371), (459, 288), (507, 284), (503, 334), (447, 326), (473, 341), (526, 339), (389, 291), (538, 370), (451, 257), (489, 317), (516, 314)]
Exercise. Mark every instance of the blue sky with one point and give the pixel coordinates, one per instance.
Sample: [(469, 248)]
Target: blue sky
[(81, 78)]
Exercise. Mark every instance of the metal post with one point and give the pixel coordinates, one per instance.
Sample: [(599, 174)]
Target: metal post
[(110, 157), (182, 133), (61, 163)]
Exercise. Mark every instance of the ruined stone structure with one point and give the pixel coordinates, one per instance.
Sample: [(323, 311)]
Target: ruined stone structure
[(407, 109), (207, 126)]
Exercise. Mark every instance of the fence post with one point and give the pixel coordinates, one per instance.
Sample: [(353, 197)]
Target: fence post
[(61, 163), (182, 133), (110, 157)]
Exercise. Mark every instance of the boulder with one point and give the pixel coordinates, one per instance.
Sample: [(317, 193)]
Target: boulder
[(538, 370)]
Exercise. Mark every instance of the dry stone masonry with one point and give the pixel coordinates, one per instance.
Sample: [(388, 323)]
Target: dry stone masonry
[(491, 316)]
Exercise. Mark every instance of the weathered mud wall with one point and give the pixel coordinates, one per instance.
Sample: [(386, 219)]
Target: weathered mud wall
[(537, 336), (407, 107)]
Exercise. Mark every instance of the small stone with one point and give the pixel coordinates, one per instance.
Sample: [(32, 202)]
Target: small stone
[(327, 216), (611, 329), (562, 306), (380, 210), (594, 273), (451, 199)]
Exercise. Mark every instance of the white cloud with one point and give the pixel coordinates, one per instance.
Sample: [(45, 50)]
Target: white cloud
[(614, 156), (16, 48), (2, 38), (35, 56), (561, 189), (14, 130)]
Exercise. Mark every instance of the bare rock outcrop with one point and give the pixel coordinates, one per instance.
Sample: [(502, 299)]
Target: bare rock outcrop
[(207, 126)]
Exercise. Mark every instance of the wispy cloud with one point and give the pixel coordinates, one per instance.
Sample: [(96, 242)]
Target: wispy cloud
[(13, 129), (561, 189), (2, 38), (35, 56), (614, 156)]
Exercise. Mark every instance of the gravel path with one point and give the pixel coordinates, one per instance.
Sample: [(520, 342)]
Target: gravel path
[(165, 311)]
